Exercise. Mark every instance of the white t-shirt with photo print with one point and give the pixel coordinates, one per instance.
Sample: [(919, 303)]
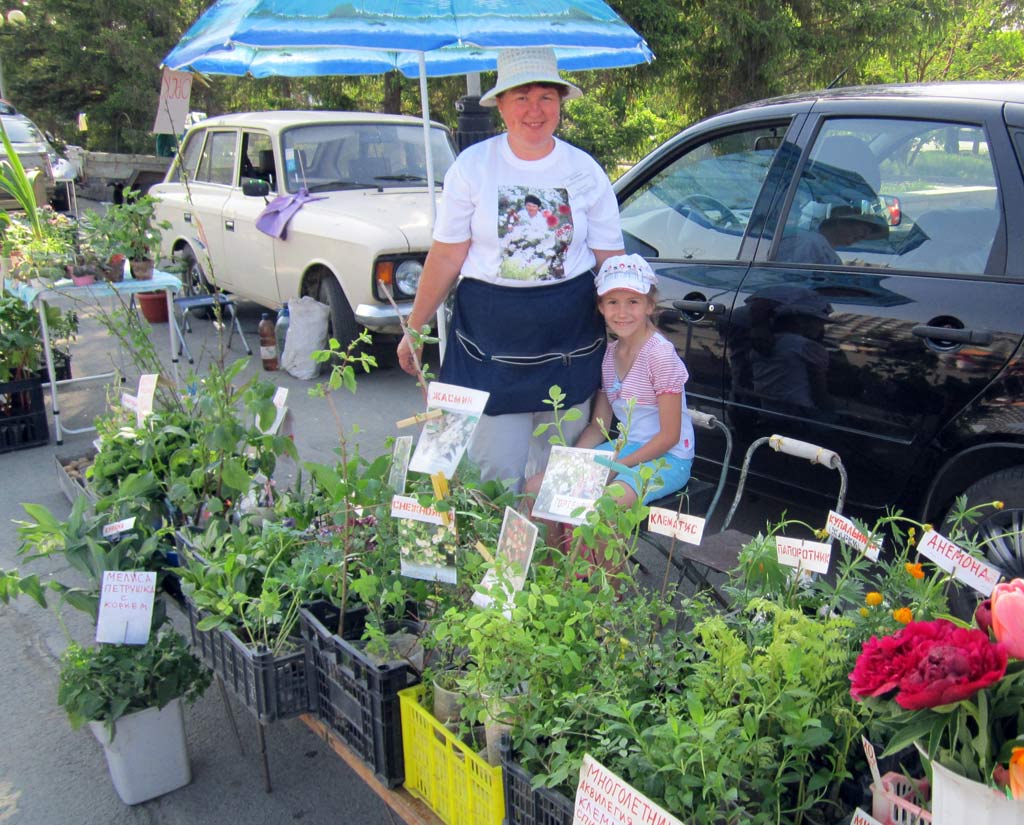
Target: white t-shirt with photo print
[(491, 196)]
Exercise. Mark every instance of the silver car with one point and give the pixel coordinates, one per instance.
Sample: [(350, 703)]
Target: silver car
[(35, 153)]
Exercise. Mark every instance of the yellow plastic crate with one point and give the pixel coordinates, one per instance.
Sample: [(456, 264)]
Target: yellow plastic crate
[(459, 786)]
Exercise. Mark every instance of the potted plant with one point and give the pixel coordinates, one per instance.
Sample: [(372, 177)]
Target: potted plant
[(131, 697)]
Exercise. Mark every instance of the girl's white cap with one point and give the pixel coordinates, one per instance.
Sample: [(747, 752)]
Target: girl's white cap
[(630, 272), (520, 67)]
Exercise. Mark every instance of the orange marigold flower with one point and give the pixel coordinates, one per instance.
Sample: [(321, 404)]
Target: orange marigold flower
[(874, 598), (903, 615), (915, 570), (864, 612)]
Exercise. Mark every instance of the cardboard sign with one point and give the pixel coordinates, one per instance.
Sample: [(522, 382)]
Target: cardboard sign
[(805, 555), (126, 607), (861, 818), (175, 93), (840, 527), (960, 563), (604, 799), (679, 525)]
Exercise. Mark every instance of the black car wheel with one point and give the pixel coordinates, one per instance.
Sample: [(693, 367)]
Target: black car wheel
[(343, 324), (1001, 532)]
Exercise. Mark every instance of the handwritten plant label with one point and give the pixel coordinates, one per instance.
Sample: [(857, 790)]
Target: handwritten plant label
[(145, 394), (427, 544), (126, 607), (869, 753), (130, 403), (679, 525), (445, 439), (806, 555), (604, 799), (400, 463), (117, 527), (842, 528), (959, 562), (861, 818)]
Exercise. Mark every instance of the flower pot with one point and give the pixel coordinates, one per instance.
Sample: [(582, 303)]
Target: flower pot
[(153, 306), (148, 756), (447, 700), (142, 269), (956, 799)]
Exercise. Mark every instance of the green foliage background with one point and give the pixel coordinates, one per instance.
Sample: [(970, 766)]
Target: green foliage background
[(103, 57)]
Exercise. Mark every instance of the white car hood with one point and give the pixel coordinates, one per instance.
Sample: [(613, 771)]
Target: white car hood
[(406, 211)]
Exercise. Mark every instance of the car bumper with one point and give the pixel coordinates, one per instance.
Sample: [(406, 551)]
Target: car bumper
[(383, 318)]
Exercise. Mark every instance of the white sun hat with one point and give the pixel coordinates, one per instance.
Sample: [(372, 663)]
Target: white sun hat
[(630, 272), (519, 67)]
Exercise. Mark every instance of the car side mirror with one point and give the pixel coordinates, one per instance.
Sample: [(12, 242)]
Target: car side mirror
[(256, 188)]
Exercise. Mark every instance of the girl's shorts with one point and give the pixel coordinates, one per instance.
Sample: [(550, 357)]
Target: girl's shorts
[(670, 477)]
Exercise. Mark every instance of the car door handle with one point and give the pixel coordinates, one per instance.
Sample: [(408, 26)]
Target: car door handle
[(229, 226), (956, 336), (188, 217), (700, 307)]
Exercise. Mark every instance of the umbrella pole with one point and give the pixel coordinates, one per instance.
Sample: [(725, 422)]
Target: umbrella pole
[(442, 331)]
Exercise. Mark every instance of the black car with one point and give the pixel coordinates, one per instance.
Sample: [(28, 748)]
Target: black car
[(847, 267)]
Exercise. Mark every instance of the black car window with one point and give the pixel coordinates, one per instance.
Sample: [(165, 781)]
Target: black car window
[(257, 159), (217, 164), (698, 207), (901, 194)]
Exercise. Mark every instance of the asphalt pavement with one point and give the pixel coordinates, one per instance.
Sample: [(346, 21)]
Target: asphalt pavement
[(50, 774)]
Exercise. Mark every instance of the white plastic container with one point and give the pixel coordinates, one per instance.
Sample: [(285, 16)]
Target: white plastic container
[(148, 756)]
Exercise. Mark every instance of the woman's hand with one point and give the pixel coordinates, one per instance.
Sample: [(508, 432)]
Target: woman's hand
[(409, 359)]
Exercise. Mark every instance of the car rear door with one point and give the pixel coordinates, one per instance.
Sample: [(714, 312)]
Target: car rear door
[(694, 208), (881, 304)]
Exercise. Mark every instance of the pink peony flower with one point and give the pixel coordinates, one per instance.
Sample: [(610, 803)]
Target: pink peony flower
[(1008, 616)]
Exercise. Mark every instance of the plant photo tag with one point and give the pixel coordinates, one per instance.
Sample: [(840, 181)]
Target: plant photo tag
[(678, 525), (842, 528), (445, 439), (400, 463), (126, 607), (604, 799), (813, 556), (516, 543), (145, 395), (971, 571), (573, 482), (427, 544)]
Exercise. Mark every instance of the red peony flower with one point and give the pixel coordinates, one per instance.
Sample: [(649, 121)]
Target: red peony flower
[(983, 615), (879, 667), (947, 664)]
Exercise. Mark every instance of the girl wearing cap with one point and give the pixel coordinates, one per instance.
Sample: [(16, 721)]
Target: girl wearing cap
[(641, 369), (522, 217)]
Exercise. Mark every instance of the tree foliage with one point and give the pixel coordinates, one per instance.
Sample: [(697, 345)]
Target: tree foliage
[(103, 57)]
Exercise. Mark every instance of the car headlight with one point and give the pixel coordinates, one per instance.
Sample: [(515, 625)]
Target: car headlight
[(399, 278)]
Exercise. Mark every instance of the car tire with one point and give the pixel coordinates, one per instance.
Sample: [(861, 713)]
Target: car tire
[(1001, 530), (342, 324)]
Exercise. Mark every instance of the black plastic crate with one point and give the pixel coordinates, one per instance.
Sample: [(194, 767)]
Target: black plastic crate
[(523, 804), (271, 687), (23, 421), (356, 697)]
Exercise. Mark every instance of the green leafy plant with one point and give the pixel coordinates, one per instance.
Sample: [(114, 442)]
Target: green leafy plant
[(129, 228), (106, 682), (15, 181)]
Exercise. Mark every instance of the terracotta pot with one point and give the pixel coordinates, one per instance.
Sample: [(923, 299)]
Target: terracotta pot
[(153, 306), (142, 269)]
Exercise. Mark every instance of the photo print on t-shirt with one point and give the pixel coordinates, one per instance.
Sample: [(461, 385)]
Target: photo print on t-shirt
[(534, 232)]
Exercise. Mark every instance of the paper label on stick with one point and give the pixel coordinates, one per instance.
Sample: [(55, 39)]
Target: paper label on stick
[(869, 752), (971, 571), (806, 555), (604, 799), (680, 525), (116, 527), (146, 393), (842, 528), (126, 607)]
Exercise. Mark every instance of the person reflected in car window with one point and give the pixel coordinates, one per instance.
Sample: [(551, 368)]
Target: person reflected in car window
[(844, 228), (788, 359)]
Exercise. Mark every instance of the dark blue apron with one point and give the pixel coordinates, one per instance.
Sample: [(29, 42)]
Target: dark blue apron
[(518, 342)]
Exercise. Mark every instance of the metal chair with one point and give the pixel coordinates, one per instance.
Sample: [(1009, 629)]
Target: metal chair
[(185, 305), (720, 552)]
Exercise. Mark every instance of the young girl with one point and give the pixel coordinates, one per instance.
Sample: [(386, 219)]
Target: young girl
[(640, 365)]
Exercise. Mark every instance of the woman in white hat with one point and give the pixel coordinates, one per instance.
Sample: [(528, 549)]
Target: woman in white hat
[(524, 319)]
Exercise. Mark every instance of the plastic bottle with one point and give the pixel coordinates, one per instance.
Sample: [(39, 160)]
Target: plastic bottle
[(281, 328), (268, 343)]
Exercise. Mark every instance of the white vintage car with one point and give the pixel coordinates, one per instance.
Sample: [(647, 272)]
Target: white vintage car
[(357, 222)]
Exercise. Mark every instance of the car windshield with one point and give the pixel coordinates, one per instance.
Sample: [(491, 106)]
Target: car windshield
[(328, 156), (20, 130)]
